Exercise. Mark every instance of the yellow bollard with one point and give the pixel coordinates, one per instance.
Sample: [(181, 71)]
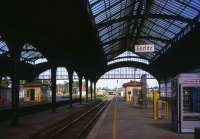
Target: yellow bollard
[(166, 110), (155, 105)]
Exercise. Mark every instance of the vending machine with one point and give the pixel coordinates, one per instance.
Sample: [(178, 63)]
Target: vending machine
[(186, 102)]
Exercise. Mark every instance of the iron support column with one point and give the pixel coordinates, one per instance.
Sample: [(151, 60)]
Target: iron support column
[(80, 88), (94, 91), (0, 84), (91, 91), (165, 81), (70, 74), (15, 85), (53, 88), (159, 82), (86, 89)]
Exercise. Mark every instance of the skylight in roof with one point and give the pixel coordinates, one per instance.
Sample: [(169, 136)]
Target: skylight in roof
[(127, 53), (126, 73), (61, 74), (31, 55), (128, 56), (3, 47), (119, 18)]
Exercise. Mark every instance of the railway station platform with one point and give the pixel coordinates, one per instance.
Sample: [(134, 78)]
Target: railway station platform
[(124, 121), (90, 48)]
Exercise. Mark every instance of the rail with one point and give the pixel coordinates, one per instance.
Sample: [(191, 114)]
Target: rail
[(99, 108), (75, 128)]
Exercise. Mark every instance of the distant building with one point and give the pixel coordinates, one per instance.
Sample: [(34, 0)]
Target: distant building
[(76, 91), (36, 92), (101, 92), (132, 91)]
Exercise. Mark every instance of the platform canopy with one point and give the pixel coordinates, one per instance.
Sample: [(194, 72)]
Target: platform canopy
[(60, 33), (122, 24), (88, 35)]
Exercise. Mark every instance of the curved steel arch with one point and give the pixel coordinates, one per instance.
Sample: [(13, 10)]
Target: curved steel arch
[(47, 66), (127, 57), (43, 67), (123, 57), (139, 65)]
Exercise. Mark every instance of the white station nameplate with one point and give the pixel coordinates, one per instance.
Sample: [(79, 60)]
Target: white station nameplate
[(144, 48)]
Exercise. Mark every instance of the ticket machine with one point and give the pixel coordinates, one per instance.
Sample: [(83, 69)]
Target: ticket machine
[(186, 102)]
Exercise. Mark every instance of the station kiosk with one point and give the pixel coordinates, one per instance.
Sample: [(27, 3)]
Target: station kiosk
[(186, 102)]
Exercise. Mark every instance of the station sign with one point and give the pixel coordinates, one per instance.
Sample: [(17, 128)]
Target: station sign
[(144, 48)]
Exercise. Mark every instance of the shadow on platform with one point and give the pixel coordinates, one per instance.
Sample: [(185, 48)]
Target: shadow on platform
[(163, 126)]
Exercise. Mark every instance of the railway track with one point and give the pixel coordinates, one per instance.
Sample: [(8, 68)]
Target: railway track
[(75, 127)]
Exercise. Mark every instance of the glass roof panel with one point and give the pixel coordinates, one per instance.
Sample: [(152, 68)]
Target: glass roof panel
[(30, 54), (127, 53), (122, 18), (3, 47)]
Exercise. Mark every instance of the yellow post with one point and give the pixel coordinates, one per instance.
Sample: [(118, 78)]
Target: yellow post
[(166, 110), (155, 106)]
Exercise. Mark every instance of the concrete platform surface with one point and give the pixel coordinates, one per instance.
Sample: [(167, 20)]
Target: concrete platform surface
[(124, 121)]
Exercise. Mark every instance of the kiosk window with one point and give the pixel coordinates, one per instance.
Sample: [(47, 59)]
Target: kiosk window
[(191, 103), (187, 99), (191, 99)]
